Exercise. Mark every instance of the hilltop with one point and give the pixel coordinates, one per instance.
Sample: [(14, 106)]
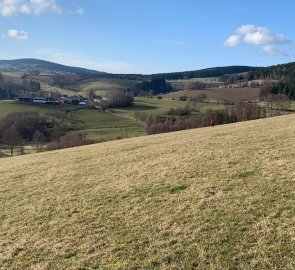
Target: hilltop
[(207, 72), (276, 72), (219, 198), (27, 64)]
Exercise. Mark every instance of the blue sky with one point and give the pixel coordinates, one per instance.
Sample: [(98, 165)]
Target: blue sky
[(148, 36)]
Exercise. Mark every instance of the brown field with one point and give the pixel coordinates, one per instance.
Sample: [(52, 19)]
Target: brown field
[(212, 198), (234, 94)]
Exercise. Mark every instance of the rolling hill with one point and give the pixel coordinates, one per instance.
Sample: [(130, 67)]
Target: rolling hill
[(276, 72), (211, 198), (27, 64), (207, 72)]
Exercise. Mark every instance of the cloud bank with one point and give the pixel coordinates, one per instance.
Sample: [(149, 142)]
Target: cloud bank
[(13, 7), (258, 36)]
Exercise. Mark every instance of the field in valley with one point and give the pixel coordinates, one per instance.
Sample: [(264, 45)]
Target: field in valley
[(211, 198), (94, 124), (154, 106), (235, 94), (109, 125), (179, 85), (100, 85)]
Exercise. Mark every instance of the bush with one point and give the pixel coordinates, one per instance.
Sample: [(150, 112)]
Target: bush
[(26, 124), (179, 111), (183, 98), (231, 114), (71, 140)]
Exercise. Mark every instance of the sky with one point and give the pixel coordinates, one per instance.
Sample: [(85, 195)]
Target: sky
[(149, 36)]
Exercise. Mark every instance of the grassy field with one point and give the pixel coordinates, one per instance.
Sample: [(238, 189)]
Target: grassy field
[(92, 123), (82, 87), (154, 106), (292, 107), (96, 124), (100, 86), (219, 198), (178, 85), (234, 94)]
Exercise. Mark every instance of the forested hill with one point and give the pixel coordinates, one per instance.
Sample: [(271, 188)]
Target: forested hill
[(27, 64), (277, 72), (208, 72)]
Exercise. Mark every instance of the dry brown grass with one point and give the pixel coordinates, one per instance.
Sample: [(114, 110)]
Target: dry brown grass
[(212, 198), (234, 94)]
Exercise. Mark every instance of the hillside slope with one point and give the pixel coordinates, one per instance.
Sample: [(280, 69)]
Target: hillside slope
[(219, 198), (27, 64), (206, 73)]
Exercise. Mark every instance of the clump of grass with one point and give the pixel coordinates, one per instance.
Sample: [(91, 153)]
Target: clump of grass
[(245, 174), (178, 188)]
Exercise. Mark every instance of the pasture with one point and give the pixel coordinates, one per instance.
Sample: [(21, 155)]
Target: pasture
[(99, 85), (94, 124), (178, 85), (81, 87), (154, 106), (108, 125), (211, 198), (234, 94)]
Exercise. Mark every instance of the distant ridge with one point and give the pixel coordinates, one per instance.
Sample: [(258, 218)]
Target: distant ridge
[(207, 72), (27, 64)]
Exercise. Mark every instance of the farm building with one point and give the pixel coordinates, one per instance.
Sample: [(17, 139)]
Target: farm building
[(37, 99), (74, 100)]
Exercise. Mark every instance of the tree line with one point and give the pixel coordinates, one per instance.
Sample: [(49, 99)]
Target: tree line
[(231, 114), (18, 127), (10, 89), (277, 72), (154, 86), (286, 88)]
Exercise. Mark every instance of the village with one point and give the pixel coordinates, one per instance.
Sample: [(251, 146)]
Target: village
[(48, 98)]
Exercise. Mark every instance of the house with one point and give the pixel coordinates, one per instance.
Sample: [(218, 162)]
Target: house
[(74, 100), (66, 99), (100, 98), (25, 99), (40, 100), (82, 103)]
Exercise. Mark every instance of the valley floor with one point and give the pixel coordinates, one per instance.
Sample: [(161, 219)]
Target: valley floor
[(211, 198)]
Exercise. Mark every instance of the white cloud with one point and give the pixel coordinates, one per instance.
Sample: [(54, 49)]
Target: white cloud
[(8, 7), (13, 7), (271, 50), (258, 36), (233, 41), (39, 6), (17, 34)]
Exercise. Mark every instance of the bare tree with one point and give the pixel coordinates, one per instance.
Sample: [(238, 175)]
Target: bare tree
[(91, 94), (71, 140), (11, 137), (278, 102), (38, 139)]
